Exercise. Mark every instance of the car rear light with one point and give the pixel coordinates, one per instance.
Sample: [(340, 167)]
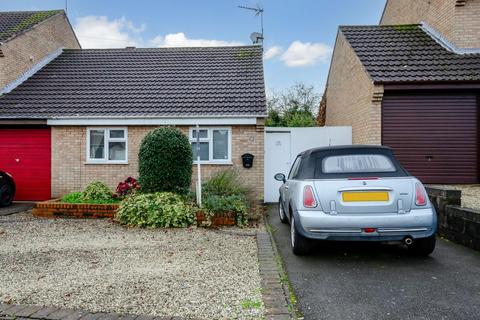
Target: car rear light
[(364, 178), (420, 196), (308, 197), (369, 230)]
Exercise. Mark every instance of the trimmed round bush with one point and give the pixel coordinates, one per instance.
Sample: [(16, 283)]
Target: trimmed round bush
[(160, 210), (165, 161)]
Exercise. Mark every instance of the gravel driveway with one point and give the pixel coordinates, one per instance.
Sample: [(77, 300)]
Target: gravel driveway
[(100, 266)]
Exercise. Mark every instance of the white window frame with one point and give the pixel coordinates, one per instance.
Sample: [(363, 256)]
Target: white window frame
[(107, 139), (209, 139)]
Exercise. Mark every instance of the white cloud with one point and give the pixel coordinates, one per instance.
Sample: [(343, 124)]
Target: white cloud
[(100, 32), (181, 40), (301, 54), (272, 52)]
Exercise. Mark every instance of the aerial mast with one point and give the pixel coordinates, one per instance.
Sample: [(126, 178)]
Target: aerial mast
[(256, 37)]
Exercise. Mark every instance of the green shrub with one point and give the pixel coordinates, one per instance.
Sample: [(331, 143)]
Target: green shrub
[(225, 183), (74, 197), (237, 204), (97, 191), (165, 161), (77, 197), (160, 209)]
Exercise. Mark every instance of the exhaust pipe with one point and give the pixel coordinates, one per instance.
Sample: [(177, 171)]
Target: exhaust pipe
[(408, 241)]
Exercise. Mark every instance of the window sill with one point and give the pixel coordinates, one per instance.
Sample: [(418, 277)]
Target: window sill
[(224, 163), (106, 162)]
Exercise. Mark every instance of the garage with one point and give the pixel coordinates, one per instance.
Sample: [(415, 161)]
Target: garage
[(25, 154), (435, 136)]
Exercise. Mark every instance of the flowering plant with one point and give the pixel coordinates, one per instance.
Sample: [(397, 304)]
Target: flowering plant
[(127, 187)]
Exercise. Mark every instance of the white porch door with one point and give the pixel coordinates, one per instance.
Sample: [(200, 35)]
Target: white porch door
[(277, 160)]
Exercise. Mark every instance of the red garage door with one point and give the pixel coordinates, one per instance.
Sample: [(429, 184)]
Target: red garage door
[(25, 154), (435, 137)]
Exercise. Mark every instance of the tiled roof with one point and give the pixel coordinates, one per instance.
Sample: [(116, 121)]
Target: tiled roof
[(14, 22), (160, 82), (406, 53)]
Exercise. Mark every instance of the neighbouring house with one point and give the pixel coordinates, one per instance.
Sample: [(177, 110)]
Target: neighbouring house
[(29, 37), (413, 83), (82, 116)]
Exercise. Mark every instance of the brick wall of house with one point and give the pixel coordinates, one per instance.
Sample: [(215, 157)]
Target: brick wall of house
[(29, 48), (352, 98), (467, 22), (457, 20), (70, 172)]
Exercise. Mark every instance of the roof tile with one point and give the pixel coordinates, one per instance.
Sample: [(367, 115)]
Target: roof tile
[(154, 82), (406, 53)]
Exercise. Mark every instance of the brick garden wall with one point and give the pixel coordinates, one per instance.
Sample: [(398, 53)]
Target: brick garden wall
[(352, 96), (70, 172), (29, 48), (458, 23)]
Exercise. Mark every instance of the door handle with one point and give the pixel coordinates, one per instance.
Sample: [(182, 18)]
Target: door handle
[(286, 187)]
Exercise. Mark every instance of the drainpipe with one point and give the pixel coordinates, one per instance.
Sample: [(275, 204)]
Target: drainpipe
[(199, 175)]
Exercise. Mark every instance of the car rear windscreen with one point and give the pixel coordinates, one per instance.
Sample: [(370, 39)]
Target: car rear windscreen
[(357, 163)]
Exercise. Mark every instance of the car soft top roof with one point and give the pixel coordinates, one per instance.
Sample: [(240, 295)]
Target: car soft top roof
[(355, 147), (311, 159)]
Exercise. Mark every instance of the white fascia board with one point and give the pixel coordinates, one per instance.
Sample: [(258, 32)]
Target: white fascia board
[(151, 121)]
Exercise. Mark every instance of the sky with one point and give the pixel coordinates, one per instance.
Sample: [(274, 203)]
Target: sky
[(299, 34)]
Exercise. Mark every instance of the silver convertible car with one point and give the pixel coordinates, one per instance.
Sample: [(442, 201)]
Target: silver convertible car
[(355, 193)]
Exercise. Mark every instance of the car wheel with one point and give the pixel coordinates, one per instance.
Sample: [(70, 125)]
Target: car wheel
[(281, 212), (6, 195), (424, 246), (300, 245)]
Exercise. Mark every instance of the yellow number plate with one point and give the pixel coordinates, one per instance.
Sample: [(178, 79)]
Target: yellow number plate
[(365, 196)]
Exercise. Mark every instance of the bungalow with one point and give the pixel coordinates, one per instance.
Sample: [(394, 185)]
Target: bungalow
[(413, 83), (82, 116)]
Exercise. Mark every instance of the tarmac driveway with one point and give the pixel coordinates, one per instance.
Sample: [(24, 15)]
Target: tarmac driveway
[(368, 281)]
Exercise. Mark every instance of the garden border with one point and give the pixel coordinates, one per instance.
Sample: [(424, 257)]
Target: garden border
[(57, 209)]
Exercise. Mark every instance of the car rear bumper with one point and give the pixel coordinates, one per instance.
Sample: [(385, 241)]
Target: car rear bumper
[(418, 223)]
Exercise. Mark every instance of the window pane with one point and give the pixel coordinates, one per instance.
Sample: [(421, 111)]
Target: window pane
[(117, 134), (204, 150), (116, 151), (220, 144), (203, 134), (357, 163), (97, 144)]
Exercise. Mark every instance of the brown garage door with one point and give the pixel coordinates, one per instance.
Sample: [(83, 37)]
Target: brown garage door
[(435, 137)]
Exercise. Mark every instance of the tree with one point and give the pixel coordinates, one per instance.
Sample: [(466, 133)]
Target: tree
[(297, 107)]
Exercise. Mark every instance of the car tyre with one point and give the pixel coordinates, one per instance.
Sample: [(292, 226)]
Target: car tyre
[(424, 246), (300, 244), (7, 192), (281, 212)]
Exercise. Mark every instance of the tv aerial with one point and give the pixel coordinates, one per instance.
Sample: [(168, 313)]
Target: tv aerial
[(256, 37)]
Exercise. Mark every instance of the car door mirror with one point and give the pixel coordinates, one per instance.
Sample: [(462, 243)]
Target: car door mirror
[(280, 177)]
